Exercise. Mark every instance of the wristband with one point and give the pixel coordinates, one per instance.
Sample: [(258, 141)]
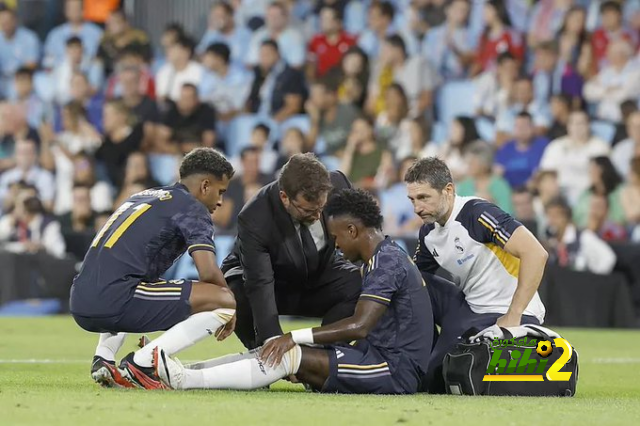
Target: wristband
[(303, 336)]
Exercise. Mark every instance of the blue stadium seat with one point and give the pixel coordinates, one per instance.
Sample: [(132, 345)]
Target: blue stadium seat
[(439, 133), (164, 168), (239, 132), (301, 122), (604, 130), (453, 99), (486, 129)]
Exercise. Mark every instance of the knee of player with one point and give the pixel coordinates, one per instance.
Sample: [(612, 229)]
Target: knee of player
[(223, 298)]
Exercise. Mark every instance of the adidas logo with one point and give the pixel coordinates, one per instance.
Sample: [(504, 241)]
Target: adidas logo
[(435, 253), (210, 332)]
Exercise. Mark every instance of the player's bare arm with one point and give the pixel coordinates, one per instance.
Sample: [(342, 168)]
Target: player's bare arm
[(533, 258), (357, 327)]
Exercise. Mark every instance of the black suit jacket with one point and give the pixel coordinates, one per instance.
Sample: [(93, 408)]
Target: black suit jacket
[(268, 252)]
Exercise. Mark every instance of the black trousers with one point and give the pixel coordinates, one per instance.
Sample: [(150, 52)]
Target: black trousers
[(332, 298)]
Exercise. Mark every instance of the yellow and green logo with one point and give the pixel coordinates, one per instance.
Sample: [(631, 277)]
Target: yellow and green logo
[(519, 366)]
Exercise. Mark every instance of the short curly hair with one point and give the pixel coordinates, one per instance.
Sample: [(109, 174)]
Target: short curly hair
[(429, 170), (357, 203), (205, 161), (305, 174)]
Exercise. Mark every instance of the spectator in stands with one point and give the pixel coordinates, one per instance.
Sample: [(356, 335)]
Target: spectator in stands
[(353, 75), (399, 217), (414, 74), (547, 74), (560, 108), (498, 37), (278, 90), (380, 26), (131, 57), (599, 220), (19, 48), (570, 247), (615, 83), (523, 209), (630, 199), (84, 173), (605, 181), (519, 158), (82, 93), (121, 139), (545, 188), (30, 229), (627, 108), (58, 151), (289, 40), (414, 21), (171, 34), (142, 107), (575, 56), (136, 173), (74, 63), (13, 127), (546, 19), (494, 86), (81, 218), (450, 47), (241, 188), (327, 48), (461, 134), (293, 142), (225, 86), (26, 98), (89, 34), (330, 120), (629, 148), (394, 127), (223, 29), (119, 35), (179, 70), (481, 181), (569, 155), (27, 169), (268, 157), (520, 99), (364, 157), (189, 123), (612, 29)]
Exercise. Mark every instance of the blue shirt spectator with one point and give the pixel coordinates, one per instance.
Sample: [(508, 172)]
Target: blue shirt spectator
[(90, 34), (19, 47), (519, 158), (222, 29), (25, 97)]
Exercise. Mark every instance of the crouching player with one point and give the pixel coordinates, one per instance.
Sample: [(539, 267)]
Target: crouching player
[(392, 325), (119, 289)]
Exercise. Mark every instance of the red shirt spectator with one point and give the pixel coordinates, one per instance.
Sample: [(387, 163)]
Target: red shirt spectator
[(327, 48), (611, 29), (489, 48)]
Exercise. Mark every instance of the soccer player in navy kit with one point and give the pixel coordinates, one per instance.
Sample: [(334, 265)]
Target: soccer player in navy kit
[(119, 288), (392, 325), (495, 262)]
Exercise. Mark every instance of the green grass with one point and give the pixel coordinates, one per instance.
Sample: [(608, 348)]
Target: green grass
[(62, 393)]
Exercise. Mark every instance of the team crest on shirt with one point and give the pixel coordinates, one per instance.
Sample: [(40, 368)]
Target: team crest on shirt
[(458, 245)]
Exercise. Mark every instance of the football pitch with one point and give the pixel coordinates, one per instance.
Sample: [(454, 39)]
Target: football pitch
[(44, 380)]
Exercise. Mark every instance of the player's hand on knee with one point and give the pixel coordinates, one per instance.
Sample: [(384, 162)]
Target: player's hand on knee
[(273, 351), (226, 330)]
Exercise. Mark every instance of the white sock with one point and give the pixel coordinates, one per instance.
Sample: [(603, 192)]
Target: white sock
[(109, 344), (185, 334), (248, 372)]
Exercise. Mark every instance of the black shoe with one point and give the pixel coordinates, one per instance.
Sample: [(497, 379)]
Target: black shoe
[(143, 377), (106, 374)]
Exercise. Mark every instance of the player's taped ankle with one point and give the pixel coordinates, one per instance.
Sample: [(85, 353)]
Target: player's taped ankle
[(293, 358), (224, 314)]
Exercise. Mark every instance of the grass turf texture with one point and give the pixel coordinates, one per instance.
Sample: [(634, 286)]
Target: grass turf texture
[(61, 392)]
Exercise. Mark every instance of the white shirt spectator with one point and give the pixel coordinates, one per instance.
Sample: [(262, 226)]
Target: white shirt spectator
[(611, 87), (169, 82), (489, 97), (570, 160), (291, 45), (40, 178), (228, 93), (50, 236), (594, 255), (622, 154)]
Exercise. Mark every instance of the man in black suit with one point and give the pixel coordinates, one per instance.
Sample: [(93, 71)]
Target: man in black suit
[(284, 261)]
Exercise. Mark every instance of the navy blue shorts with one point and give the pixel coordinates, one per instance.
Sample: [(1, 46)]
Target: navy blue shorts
[(152, 307), (361, 369)]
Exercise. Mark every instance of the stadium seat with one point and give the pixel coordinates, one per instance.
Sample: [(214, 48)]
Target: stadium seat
[(486, 129), (300, 122), (164, 168), (239, 132), (604, 130), (438, 133), (454, 99)]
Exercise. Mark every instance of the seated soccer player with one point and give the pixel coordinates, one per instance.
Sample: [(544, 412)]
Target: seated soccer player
[(392, 325), (119, 289)]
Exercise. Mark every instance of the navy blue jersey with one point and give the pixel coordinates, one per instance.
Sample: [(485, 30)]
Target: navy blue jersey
[(139, 242), (406, 328)]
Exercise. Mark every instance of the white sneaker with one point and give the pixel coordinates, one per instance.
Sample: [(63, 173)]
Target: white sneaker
[(170, 371)]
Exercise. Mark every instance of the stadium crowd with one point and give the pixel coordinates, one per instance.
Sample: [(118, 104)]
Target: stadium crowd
[(532, 104)]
